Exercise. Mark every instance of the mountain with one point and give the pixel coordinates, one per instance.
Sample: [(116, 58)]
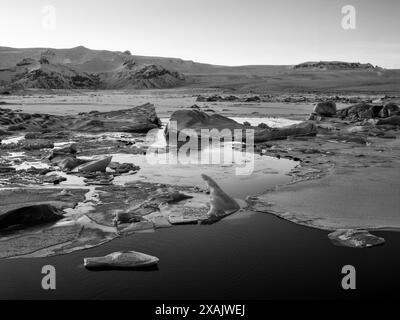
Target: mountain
[(81, 67)]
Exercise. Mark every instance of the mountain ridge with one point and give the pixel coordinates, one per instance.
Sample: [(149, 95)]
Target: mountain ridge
[(84, 68)]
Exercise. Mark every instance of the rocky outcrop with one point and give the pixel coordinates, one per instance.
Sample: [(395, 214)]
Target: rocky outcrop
[(303, 129), (355, 238), (195, 123), (334, 65), (362, 111), (137, 119), (50, 76), (148, 76), (196, 120), (53, 71), (121, 259), (25, 215)]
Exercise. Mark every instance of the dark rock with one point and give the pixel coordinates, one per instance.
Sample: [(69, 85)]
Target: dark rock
[(54, 179), (335, 65), (37, 145), (191, 122), (326, 109), (139, 119), (393, 120), (30, 215), (296, 130), (263, 125), (213, 98), (360, 111), (197, 120), (126, 217), (390, 109), (121, 168), (98, 178), (253, 99)]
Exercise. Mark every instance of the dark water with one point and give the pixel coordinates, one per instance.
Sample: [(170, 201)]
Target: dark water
[(251, 258)]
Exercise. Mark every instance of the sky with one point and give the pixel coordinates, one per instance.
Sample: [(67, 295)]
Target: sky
[(223, 32)]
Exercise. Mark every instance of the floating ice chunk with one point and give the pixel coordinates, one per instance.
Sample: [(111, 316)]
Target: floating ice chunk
[(354, 238), (122, 259)]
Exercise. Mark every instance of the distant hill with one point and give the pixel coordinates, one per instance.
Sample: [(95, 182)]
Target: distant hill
[(336, 65), (81, 67)]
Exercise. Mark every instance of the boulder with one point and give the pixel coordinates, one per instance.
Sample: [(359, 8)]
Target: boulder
[(196, 119), (139, 119), (121, 259), (354, 238), (325, 109), (189, 123)]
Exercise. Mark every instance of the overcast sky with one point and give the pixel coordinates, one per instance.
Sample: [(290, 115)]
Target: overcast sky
[(226, 32)]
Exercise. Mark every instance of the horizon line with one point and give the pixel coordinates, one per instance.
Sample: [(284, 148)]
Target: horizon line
[(194, 61)]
